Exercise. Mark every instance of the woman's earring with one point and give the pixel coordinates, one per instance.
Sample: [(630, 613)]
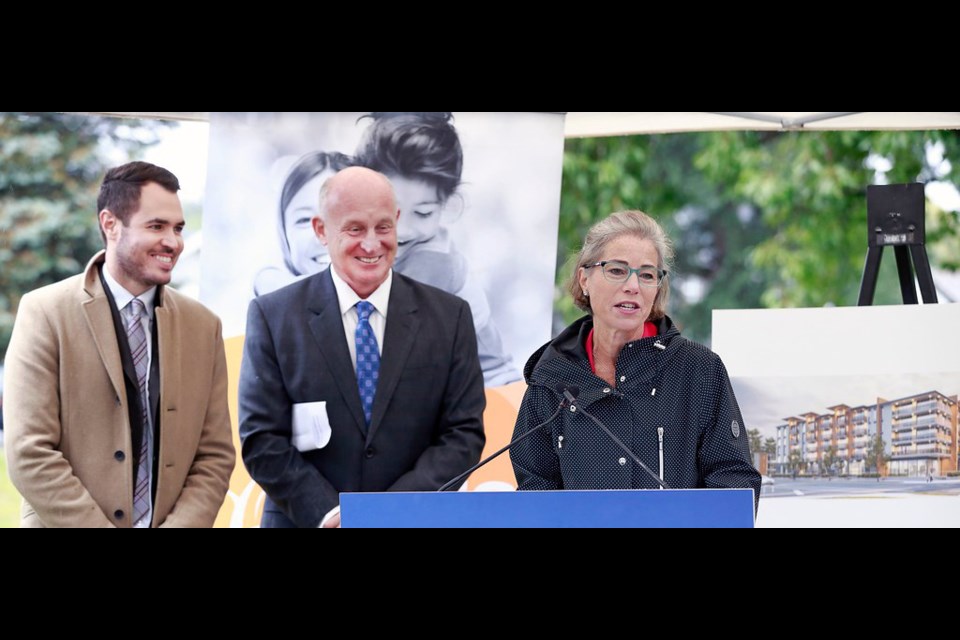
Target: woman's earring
[(586, 293)]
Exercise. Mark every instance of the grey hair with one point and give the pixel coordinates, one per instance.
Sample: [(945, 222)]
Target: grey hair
[(616, 225)]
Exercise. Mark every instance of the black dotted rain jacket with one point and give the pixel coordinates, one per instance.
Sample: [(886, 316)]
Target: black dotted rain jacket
[(673, 406)]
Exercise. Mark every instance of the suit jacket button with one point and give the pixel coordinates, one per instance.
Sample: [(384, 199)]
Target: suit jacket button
[(118, 514), (120, 456), (370, 453)]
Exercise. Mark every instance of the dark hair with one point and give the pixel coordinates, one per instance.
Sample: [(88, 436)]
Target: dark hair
[(121, 187), (305, 169), (420, 145)]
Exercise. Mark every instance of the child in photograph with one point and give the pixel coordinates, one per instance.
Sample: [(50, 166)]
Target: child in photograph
[(420, 153), (303, 254)]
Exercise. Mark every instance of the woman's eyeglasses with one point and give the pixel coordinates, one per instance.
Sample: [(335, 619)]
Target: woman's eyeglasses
[(619, 272)]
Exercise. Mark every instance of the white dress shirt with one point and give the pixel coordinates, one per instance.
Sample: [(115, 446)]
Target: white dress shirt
[(348, 298)]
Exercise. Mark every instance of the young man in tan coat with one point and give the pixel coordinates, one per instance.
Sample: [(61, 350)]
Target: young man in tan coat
[(116, 386)]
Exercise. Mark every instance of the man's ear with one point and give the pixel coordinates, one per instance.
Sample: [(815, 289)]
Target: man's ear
[(320, 229), (110, 224)]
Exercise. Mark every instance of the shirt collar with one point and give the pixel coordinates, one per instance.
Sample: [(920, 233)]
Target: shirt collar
[(123, 297), (348, 298)]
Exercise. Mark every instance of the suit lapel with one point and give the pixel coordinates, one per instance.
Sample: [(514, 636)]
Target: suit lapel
[(166, 362), (398, 341), (327, 328), (100, 320), (96, 286)]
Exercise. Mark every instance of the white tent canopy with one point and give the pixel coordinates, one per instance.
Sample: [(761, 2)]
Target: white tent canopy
[(585, 124), (609, 123)]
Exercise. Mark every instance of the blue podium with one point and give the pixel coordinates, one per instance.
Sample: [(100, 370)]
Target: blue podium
[(703, 508)]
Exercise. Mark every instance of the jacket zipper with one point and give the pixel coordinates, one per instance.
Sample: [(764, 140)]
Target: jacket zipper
[(660, 437)]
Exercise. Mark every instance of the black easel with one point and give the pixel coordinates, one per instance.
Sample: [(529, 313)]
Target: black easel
[(896, 215)]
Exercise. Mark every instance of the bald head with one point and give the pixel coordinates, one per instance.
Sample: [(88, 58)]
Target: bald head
[(356, 187), (358, 225)]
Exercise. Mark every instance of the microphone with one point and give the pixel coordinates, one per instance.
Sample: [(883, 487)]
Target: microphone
[(571, 399), (561, 389)]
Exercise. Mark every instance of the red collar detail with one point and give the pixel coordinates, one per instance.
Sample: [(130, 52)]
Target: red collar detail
[(649, 331)]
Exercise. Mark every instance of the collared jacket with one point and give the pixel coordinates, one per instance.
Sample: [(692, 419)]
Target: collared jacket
[(69, 444), (673, 406), (427, 423)]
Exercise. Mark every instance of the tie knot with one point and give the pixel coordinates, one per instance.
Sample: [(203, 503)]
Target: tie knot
[(364, 309), (136, 308)]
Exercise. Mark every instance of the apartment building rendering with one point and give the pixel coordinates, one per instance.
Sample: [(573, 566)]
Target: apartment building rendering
[(919, 435)]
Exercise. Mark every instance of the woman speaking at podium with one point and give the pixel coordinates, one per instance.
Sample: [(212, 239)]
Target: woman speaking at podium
[(642, 407)]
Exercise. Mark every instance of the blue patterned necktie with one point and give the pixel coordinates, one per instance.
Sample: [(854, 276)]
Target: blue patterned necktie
[(368, 359), (137, 339)]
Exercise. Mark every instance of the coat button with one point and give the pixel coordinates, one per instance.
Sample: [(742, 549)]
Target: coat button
[(120, 456), (607, 390), (623, 378), (118, 514), (370, 453), (623, 462)]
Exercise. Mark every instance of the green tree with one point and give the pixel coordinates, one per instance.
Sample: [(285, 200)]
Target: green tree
[(795, 461), (876, 456), (830, 460), (759, 219), (811, 192), (770, 447), (756, 440), (51, 165), (712, 230)]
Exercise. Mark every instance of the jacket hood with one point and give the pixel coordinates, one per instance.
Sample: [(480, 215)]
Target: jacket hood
[(544, 366)]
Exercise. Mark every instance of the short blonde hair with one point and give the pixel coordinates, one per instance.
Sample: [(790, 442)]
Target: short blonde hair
[(617, 225)]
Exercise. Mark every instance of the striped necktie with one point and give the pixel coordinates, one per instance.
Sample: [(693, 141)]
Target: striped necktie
[(137, 339)]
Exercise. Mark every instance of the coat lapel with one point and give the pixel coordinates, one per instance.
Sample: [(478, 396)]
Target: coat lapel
[(399, 337), (169, 358), (327, 328), (96, 309)]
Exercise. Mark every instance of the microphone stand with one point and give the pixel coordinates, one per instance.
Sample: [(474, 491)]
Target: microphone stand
[(498, 453), (574, 407)]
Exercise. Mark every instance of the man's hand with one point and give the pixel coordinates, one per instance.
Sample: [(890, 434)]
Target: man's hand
[(333, 522)]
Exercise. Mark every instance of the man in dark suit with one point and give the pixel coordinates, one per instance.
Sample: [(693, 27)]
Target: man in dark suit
[(308, 432)]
